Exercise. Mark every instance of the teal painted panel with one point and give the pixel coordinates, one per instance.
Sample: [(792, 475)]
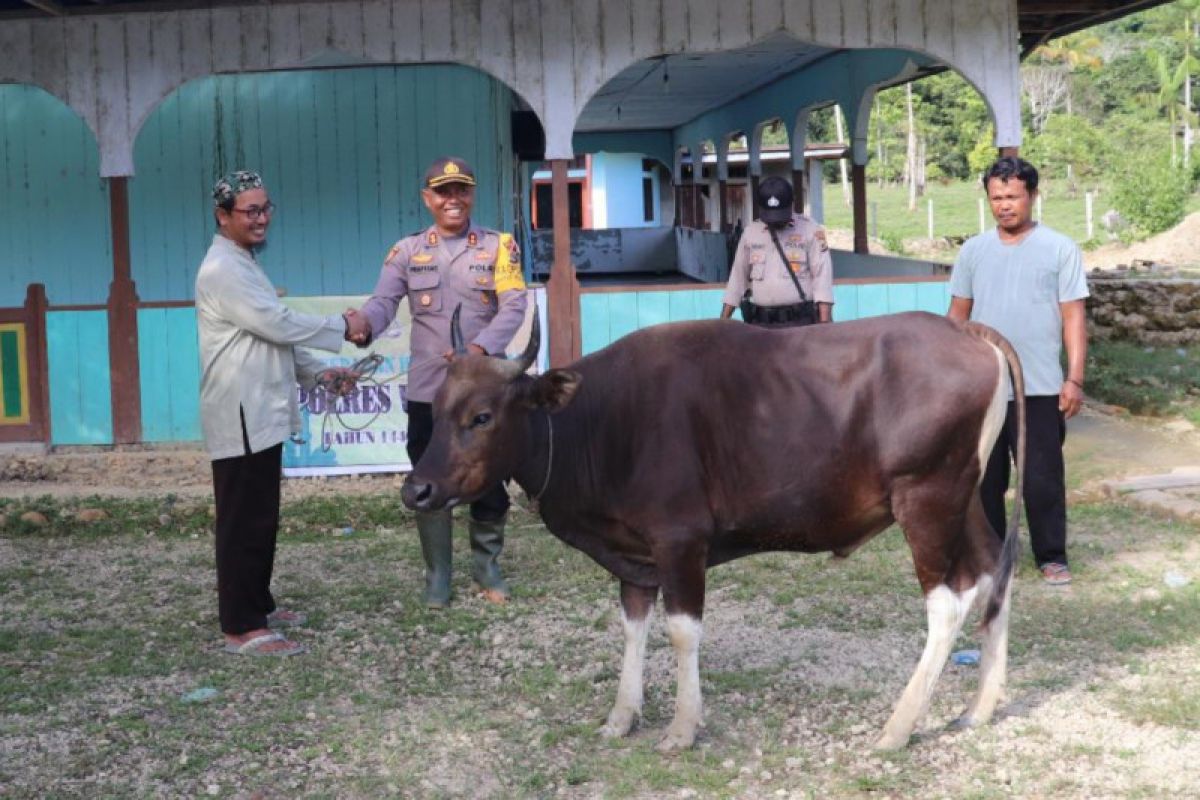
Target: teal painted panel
[(49, 182), (682, 306), (342, 152), (622, 314), (901, 297), (933, 297), (845, 302), (653, 308), (593, 322), (80, 398), (872, 300), (169, 362)]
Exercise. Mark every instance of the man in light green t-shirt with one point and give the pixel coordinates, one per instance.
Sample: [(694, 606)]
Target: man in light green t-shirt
[(1027, 281)]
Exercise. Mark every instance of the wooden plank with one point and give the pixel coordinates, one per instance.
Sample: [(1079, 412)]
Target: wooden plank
[(882, 22), (81, 88), (622, 314), (254, 31), (408, 33), (910, 22), (594, 321), (733, 19), (378, 31), (901, 297), (646, 22), (285, 34), (496, 23), (528, 54), (346, 29), (588, 46), (314, 30), (856, 23), (616, 38), (80, 410), (155, 375), (466, 40), (676, 25), (683, 306), (16, 43), (933, 297), (766, 17), (184, 349), (435, 31), (653, 308), (872, 300), (703, 21), (48, 58), (800, 17), (226, 46), (845, 303)]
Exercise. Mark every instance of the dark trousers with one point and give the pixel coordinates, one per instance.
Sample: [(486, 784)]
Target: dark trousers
[(1045, 486), (494, 503), (247, 494)]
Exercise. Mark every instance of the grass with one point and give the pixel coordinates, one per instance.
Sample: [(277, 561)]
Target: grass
[(956, 212), (1147, 380), (106, 630)]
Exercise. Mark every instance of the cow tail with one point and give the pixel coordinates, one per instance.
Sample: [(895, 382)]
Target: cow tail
[(1012, 538)]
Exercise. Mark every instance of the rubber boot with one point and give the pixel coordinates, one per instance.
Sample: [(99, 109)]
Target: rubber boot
[(487, 540), (434, 528)]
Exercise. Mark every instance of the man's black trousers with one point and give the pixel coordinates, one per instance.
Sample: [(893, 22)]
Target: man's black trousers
[(1045, 486), (247, 494)]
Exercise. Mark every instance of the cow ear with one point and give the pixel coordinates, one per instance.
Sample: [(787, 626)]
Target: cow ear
[(554, 390)]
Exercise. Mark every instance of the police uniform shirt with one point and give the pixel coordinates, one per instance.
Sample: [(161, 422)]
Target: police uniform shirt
[(480, 269), (758, 267)]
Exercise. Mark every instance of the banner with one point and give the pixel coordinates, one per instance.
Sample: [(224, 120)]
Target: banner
[(368, 430)]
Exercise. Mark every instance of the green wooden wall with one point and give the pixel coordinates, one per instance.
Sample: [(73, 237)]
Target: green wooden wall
[(80, 398), (607, 316), (54, 225), (342, 152), (169, 366)]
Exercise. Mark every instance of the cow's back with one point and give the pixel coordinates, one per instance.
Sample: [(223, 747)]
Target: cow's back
[(796, 434)]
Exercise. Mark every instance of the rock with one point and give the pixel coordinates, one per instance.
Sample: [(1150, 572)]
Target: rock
[(35, 518), (91, 514)]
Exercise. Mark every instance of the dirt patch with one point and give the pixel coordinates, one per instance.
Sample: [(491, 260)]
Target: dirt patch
[(1178, 247)]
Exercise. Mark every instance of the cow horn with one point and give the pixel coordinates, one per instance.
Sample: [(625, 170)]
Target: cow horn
[(456, 337), (523, 362)]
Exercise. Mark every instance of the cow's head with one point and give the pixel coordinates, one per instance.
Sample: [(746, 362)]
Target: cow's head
[(481, 423)]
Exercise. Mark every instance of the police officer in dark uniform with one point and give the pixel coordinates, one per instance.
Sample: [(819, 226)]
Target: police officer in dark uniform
[(451, 262)]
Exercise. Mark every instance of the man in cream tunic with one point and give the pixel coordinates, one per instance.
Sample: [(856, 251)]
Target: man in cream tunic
[(250, 363)]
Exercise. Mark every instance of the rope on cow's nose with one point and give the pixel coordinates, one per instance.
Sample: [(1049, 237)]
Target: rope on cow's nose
[(333, 383)]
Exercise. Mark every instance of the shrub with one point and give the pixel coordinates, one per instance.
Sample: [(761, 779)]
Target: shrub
[(1151, 196)]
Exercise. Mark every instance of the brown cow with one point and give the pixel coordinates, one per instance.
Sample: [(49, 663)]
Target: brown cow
[(686, 445)]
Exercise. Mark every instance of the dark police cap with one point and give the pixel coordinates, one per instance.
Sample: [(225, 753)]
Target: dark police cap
[(449, 170), (774, 200)]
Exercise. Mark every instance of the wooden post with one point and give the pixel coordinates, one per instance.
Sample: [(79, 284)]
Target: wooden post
[(858, 186), (798, 191), (754, 179), (1010, 151), (562, 290), (124, 372), (723, 191), (1088, 215), (929, 205)]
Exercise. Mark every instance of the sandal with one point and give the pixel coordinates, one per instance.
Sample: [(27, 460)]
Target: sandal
[(254, 647), (282, 618), (1056, 574)]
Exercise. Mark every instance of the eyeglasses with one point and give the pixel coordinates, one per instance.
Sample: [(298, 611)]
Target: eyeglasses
[(254, 212)]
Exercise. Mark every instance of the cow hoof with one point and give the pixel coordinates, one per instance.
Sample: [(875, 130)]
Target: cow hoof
[(676, 741), (890, 741), (619, 724)]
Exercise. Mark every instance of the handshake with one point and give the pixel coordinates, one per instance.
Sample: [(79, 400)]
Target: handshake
[(358, 330)]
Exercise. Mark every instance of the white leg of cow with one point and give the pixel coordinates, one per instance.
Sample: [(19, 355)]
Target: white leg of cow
[(993, 669), (945, 611), (684, 632), (628, 706)]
